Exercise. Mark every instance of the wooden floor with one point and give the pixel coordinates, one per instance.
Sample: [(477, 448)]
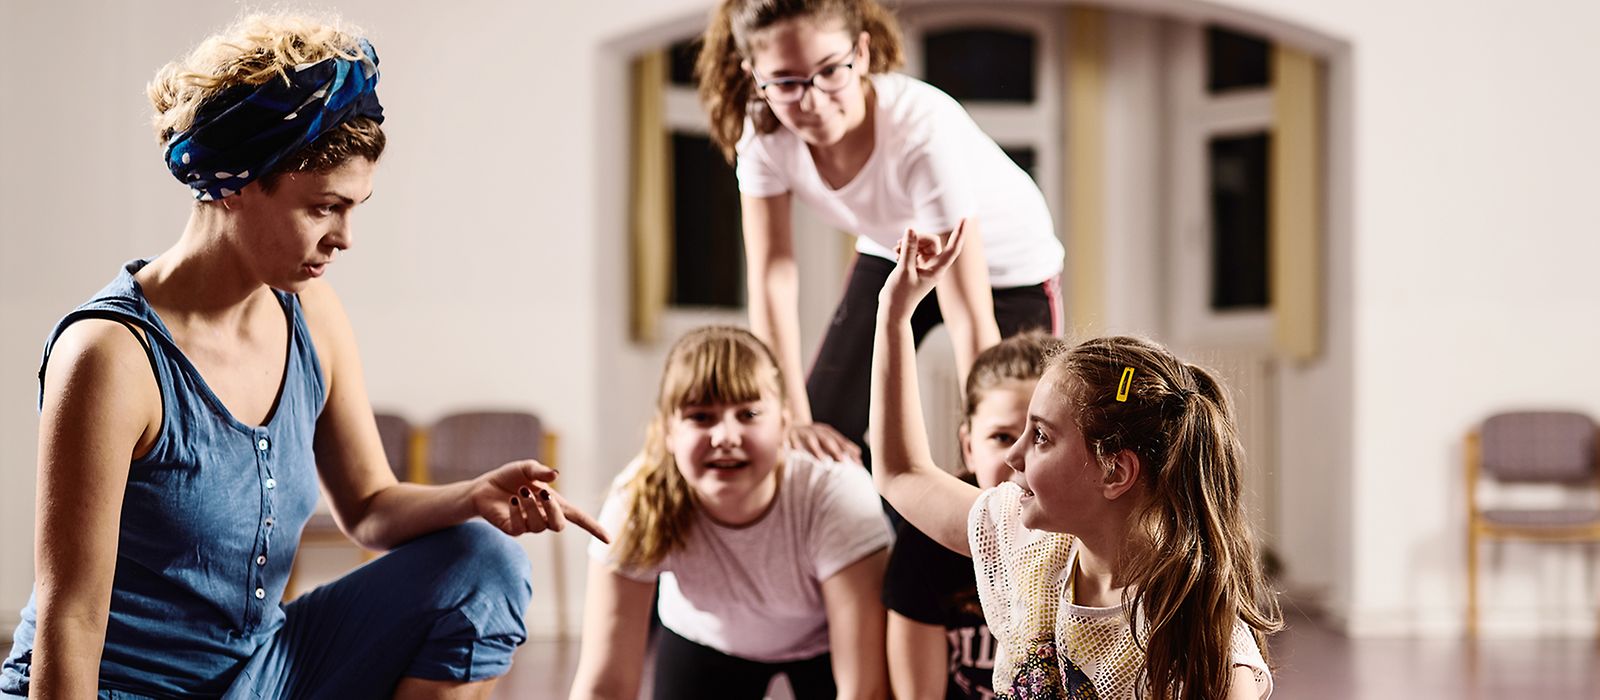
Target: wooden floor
[(1313, 663)]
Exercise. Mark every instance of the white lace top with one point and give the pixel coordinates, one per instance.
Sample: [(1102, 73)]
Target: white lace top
[(1049, 647)]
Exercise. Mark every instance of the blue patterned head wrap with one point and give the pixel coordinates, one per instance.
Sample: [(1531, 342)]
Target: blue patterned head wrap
[(243, 132)]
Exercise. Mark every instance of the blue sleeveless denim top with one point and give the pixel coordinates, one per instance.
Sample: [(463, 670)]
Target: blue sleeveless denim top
[(210, 520)]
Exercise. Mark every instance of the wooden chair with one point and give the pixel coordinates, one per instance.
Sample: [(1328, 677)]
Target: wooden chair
[(465, 445), (1529, 448), (399, 440)]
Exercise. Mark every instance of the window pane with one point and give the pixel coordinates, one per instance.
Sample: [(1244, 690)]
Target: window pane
[(1025, 157), (1235, 60), (682, 55), (1239, 222), (707, 252), (982, 64)]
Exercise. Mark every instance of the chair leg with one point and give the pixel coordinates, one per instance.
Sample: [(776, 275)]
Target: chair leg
[(1593, 548), (1472, 582)]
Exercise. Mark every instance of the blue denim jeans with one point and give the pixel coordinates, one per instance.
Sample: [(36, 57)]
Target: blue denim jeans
[(447, 606)]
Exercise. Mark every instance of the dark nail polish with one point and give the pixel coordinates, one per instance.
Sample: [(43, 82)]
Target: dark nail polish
[(514, 501), (544, 495), (526, 493)]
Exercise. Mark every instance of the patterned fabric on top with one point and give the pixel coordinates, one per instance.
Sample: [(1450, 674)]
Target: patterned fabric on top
[(240, 134)]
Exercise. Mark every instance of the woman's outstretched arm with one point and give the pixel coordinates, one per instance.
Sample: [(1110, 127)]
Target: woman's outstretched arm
[(930, 498), (369, 504)]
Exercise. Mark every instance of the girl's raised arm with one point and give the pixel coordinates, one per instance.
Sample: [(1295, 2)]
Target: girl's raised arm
[(930, 498)]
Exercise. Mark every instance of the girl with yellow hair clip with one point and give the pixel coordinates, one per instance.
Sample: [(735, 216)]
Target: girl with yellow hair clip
[(1117, 562)]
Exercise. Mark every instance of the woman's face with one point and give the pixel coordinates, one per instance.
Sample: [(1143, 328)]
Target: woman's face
[(290, 235), (995, 425), (728, 451), (824, 52)]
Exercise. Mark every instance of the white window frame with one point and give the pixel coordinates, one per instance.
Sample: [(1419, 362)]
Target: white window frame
[(682, 114), (1037, 125), (1198, 117), (816, 245)]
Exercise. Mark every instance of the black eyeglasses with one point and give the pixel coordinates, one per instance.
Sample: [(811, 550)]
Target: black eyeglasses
[(829, 79)]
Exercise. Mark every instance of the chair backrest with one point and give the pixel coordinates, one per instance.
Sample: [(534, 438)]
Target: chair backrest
[(1546, 446), (465, 445), (395, 432)]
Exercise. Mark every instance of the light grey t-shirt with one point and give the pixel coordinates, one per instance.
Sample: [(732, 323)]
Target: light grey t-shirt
[(756, 591)]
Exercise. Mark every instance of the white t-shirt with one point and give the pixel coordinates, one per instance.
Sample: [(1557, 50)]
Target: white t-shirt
[(1025, 588), (930, 166), (756, 591)]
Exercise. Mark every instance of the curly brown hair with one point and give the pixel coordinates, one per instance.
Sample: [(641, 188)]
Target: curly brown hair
[(252, 51), (726, 89)]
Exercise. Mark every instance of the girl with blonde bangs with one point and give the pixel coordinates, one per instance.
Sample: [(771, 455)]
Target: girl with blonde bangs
[(1117, 562), (192, 410), (804, 98), (717, 366), (768, 560)]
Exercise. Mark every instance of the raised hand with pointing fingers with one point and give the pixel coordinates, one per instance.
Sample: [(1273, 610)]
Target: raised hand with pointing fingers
[(921, 261)]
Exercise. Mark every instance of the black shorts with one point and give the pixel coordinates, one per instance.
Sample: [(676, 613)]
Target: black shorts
[(686, 670)]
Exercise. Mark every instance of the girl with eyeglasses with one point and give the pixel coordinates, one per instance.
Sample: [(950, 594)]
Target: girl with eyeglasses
[(803, 99)]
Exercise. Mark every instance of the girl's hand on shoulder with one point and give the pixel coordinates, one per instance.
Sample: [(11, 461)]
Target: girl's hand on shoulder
[(923, 260), (823, 441), (517, 498)]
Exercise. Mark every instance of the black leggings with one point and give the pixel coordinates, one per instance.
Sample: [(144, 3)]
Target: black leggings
[(685, 670), (841, 378)]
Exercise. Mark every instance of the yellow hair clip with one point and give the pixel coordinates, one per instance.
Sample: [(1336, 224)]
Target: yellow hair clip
[(1125, 385)]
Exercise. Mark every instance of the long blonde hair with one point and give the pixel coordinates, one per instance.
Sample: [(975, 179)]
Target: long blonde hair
[(710, 365), (1190, 563), (728, 93)]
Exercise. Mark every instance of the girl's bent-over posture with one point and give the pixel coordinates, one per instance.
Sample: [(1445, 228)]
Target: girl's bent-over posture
[(803, 98)]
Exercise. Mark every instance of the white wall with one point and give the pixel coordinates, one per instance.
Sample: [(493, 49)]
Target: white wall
[(1471, 249), (487, 267)]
